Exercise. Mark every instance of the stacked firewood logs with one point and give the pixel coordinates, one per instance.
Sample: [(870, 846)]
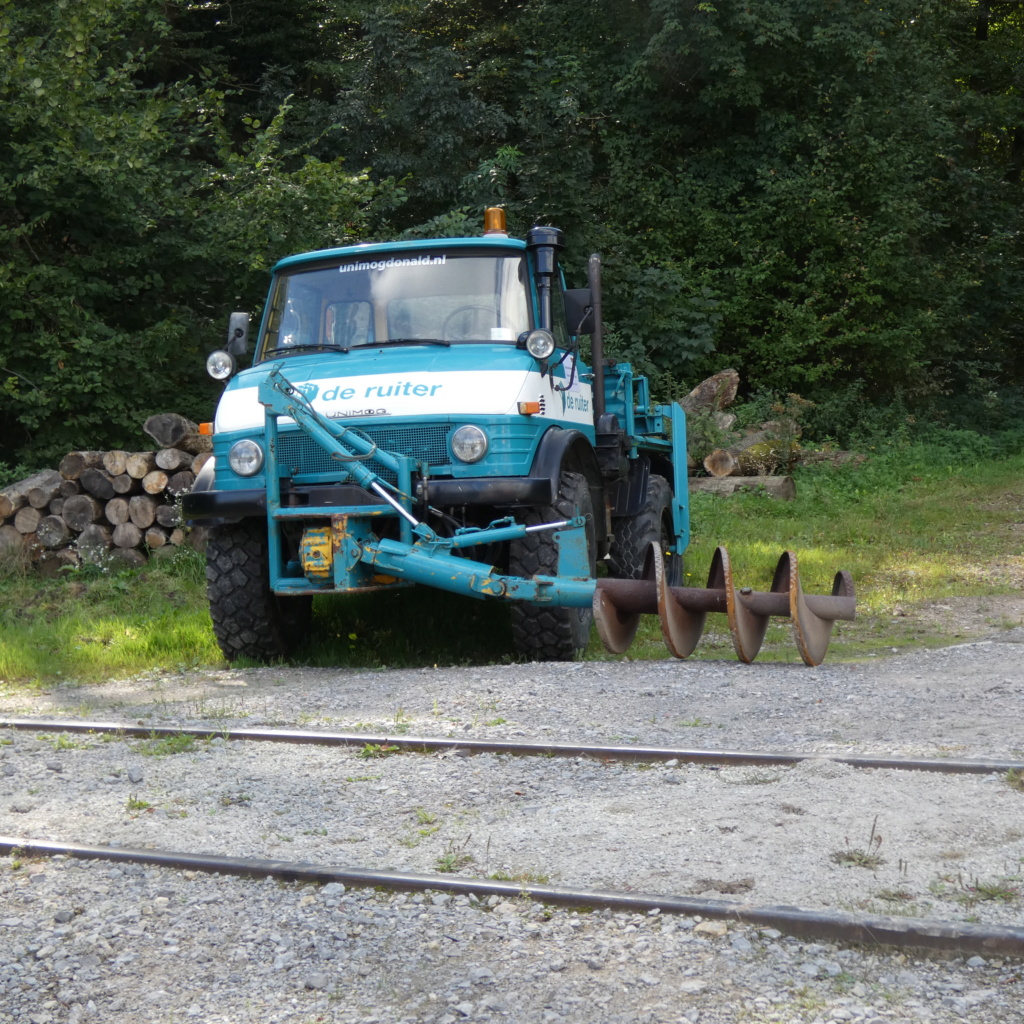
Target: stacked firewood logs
[(100, 506)]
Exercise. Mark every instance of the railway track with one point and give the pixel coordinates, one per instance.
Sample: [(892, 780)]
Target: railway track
[(861, 928), (424, 744)]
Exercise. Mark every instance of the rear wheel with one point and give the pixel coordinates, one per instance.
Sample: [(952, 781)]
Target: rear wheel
[(633, 535), (249, 619), (546, 632)]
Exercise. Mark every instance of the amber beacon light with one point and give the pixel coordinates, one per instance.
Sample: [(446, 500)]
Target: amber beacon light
[(494, 221)]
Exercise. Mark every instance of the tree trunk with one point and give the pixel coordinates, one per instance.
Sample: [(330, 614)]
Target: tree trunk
[(116, 511), (127, 535), (41, 495), (762, 451), (26, 519), (73, 463), (69, 488), (775, 486), (200, 460), (115, 462), (181, 483), (155, 482), (138, 464), (713, 394), (170, 430), (93, 543), (80, 510), (53, 532), (720, 462), (167, 515), (56, 507), (97, 482), (13, 497), (142, 510), (125, 484), (173, 459), (155, 537)]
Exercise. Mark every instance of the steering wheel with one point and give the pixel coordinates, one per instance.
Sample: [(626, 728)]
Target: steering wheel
[(472, 322)]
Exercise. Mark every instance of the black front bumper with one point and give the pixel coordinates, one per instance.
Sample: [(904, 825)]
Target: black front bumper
[(213, 507)]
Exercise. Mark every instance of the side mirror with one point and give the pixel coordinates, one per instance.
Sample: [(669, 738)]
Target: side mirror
[(238, 334), (579, 310)]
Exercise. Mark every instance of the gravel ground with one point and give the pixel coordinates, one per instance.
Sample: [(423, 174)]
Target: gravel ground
[(93, 941)]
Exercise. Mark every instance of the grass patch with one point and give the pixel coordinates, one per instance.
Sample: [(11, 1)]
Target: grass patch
[(167, 746), (853, 858), (454, 858), (94, 623), (375, 750), (522, 877), (895, 895), (1015, 779), (858, 858), (971, 892), (914, 524), (62, 741)]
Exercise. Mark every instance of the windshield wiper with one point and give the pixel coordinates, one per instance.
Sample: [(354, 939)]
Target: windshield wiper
[(410, 341), (309, 347)]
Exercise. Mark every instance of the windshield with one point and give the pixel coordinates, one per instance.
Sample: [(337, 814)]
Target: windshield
[(432, 298)]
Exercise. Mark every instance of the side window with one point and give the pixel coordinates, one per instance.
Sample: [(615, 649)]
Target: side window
[(558, 325)]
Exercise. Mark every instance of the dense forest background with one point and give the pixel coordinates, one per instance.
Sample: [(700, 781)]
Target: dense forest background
[(824, 194)]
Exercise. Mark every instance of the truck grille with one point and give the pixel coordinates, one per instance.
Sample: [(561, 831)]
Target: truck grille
[(299, 455)]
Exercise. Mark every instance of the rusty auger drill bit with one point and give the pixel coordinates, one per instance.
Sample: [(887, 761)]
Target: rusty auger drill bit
[(813, 614), (618, 605)]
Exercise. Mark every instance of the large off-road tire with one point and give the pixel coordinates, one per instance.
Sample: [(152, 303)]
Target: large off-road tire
[(545, 632), (633, 535), (249, 619)]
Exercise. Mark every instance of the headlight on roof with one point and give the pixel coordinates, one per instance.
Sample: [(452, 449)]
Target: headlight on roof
[(246, 458), (469, 444)]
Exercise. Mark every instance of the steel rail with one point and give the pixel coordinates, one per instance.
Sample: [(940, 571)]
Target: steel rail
[(917, 933), (599, 752)]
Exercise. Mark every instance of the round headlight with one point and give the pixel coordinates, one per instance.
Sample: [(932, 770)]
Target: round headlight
[(540, 344), (246, 458), (469, 444), (220, 365)]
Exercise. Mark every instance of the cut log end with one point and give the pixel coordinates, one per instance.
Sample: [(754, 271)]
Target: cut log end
[(72, 465), (720, 463)]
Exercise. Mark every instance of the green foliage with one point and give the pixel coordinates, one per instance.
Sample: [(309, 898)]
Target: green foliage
[(131, 221), (826, 198)]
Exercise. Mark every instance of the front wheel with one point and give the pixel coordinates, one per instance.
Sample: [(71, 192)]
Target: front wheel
[(547, 632), (249, 619), (633, 536)]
